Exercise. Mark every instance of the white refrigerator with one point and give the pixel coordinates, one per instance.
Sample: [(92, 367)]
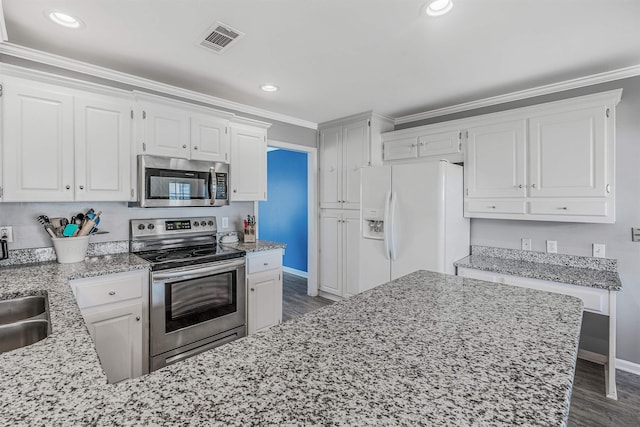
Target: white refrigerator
[(411, 219)]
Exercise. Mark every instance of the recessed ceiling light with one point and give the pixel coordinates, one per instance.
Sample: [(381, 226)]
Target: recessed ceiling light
[(439, 7), (268, 87), (64, 19)]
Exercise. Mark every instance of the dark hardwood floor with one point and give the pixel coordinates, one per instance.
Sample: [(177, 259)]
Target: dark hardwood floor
[(589, 406), (295, 300)]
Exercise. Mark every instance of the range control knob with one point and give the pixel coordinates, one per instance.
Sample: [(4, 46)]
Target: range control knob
[(196, 223), (151, 226), (140, 226), (210, 223)]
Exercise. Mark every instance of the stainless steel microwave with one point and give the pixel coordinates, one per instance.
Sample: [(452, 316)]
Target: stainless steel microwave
[(171, 182)]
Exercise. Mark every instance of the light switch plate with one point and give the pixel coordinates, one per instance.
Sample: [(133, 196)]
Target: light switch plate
[(598, 250), (526, 244), (552, 246), (225, 222)]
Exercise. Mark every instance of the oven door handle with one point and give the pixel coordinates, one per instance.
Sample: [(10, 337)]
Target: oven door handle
[(193, 273)]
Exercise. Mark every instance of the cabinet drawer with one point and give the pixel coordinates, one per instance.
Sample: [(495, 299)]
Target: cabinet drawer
[(108, 289), (495, 206), (263, 262), (570, 207)]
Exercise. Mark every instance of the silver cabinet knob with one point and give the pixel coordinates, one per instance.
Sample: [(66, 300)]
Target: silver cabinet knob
[(68, 187), (82, 187), (112, 292), (137, 318), (533, 186), (184, 146), (253, 289), (520, 186), (235, 191), (195, 148), (564, 208), (491, 207), (266, 263)]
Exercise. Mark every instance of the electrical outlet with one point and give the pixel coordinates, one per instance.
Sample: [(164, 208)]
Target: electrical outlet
[(225, 222), (552, 246), (598, 250), (526, 244), (6, 232)]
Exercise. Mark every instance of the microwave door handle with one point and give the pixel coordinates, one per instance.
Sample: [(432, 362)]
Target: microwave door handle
[(195, 273), (213, 184)]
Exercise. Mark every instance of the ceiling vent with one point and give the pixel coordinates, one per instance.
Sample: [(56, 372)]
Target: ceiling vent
[(220, 37)]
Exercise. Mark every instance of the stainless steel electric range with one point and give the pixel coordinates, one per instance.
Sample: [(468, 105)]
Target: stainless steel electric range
[(197, 292)]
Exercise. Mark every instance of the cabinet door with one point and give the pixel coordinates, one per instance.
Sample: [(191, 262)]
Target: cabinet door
[(440, 143), (495, 160), (103, 149), (166, 131), (37, 134), (117, 333), (568, 154), (209, 138), (351, 258), (355, 152), (248, 166), (265, 300), (406, 148), (330, 252), (330, 167)]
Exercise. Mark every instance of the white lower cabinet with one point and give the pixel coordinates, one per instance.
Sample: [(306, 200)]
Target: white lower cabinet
[(264, 290), (115, 309), (339, 252)]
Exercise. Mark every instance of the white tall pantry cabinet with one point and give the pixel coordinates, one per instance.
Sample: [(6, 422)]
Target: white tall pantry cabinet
[(345, 146)]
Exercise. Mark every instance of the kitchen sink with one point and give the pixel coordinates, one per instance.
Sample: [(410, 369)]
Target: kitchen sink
[(21, 334), (16, 309), (23, 321)]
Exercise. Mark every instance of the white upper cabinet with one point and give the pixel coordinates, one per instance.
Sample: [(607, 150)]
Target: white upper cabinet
[(248, 168), (62, 144), (103, 148), (439, 141), (177, 129), (165, 130), (209, 138), (346, 145), (568, 154), (37, 136), (331, 167), (549, 162), (495, 160)]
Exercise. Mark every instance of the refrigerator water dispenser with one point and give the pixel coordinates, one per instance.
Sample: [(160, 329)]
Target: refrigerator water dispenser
[(373, 227)]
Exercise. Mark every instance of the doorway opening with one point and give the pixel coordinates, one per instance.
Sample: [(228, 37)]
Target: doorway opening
[(289, 214)]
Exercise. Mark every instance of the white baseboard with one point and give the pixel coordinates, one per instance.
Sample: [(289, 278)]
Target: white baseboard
[(625, 365), (598, 358), (295, 272), (601, 359), (327, 295)]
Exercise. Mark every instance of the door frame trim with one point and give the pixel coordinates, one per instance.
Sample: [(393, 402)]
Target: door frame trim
[(312, 210)]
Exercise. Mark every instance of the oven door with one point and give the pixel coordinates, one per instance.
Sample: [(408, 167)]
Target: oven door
[(195, 303)]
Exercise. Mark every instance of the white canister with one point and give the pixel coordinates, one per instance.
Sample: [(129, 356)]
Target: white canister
[(70, 249)]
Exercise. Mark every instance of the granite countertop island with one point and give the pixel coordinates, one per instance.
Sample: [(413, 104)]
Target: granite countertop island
[(427, 348), (591, 272)]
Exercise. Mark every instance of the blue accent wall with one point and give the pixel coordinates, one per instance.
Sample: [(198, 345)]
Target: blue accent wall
[(283, 217)]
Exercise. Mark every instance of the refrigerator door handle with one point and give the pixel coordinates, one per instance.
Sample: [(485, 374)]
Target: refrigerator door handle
[(393, 236), (386, 225)]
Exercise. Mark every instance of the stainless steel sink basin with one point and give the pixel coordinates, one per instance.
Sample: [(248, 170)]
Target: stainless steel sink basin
[(21, 334), (16, 309)]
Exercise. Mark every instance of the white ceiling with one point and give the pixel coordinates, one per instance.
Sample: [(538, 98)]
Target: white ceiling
[(333, 58)]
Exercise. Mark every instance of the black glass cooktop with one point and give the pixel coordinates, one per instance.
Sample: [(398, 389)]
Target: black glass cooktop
[(183, 257)]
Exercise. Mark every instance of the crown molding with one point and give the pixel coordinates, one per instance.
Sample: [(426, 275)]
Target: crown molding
[(608, 76), (143, 83), (3, 26)]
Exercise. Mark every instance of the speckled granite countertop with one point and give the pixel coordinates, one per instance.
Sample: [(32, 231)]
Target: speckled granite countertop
[(428, 349), (259, 245), (583, 271)]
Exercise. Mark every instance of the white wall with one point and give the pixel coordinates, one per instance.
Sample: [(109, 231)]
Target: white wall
[(576, 239), (28, 233)]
